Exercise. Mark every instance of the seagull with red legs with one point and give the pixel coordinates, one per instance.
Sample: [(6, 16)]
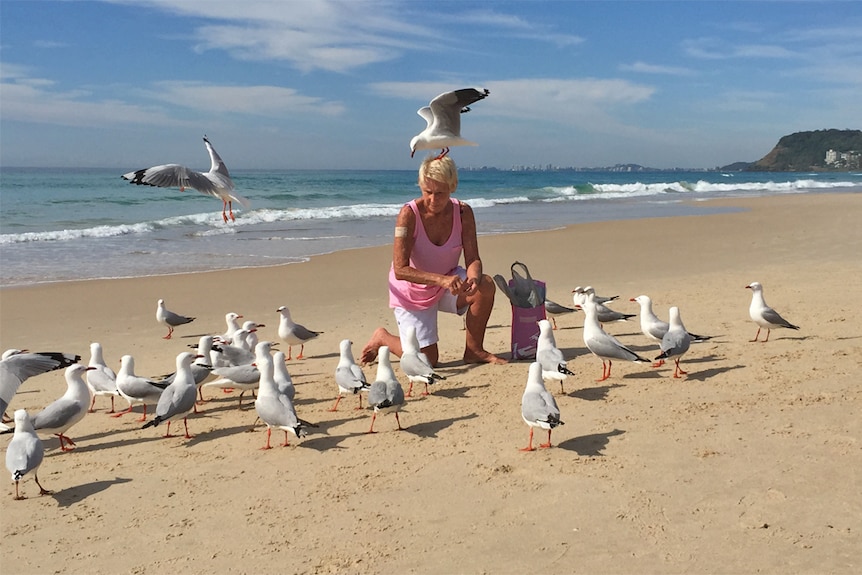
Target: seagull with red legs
[(675, 342), (348, 375), (101, 379), (136, 389), (414, 363), (178, 398), (25, 452), (443, 120), (603, 345), (274, 408), (386, 394), (293, 333), (60, 415), (217, 182), (538, 406), (764, 316), (170, 319)]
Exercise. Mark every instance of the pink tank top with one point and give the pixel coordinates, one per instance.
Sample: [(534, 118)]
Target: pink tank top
[(427, 256)]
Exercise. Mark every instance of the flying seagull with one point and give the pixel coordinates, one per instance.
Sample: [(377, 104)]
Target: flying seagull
[(217, 182), (443, 116)]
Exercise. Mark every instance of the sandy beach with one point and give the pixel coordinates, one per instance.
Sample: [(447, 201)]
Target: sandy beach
[(752, 463)]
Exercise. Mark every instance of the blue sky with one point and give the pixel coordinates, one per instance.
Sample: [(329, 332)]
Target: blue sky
[(336, 83)]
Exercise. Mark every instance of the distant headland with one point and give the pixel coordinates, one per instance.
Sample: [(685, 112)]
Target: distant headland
[(817, 151)]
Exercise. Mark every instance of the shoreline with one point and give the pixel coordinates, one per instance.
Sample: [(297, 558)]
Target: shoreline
[(649, 474)]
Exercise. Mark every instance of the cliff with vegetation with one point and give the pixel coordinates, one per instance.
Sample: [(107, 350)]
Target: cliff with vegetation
[(810, 152)]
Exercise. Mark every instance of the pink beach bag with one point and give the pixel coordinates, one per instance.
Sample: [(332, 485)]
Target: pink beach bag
[(525, 328)]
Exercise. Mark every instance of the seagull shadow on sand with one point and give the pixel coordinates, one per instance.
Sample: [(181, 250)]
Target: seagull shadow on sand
[(327, 442), (598, 393), (432, 428), (451, 392), (72, 495), (571, 353), (109, 445), (205, 435), (318, 437), (710, 373), (590, 445)]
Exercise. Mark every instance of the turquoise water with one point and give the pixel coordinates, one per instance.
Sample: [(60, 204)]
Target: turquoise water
[(62, 224)]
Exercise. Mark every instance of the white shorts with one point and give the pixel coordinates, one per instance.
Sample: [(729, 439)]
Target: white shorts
[(425, 320)]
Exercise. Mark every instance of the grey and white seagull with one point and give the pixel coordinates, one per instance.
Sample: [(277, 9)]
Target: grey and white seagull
[(538, 406), (764, 316), (25, 452), (348, 375), (443, 118), (675, 342), (217, 182), (170, 319), (603, 345), (386, 394)]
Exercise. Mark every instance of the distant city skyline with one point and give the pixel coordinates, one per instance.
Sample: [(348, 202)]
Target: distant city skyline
[(335, 84)]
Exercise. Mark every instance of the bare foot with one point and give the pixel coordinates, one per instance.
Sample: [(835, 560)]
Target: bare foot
[(483, 357), (369, 352)]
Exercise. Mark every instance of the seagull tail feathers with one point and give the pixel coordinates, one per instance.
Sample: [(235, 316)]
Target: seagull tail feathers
[(153, 422)]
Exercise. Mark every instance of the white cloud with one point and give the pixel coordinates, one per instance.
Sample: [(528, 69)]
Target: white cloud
[(254, 100), (715, 49), (32, 100), (644, 68), (340, 35)]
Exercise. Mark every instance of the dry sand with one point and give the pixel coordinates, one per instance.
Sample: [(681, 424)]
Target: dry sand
[(750, 464)]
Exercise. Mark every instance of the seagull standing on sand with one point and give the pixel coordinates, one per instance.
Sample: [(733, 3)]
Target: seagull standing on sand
[(101, 379), (443, 119), (275, 409), (675, 342), (17, 365), (201, 366), (178, 399), (415, 364), (25, 452), (603, 313), (68, 410), (217, 182), (293, 333), (136, 389), (764, 316), (554, 309), (603, 345), (538, 406), (651, 326), (654, 328), (170, 319), (549, 356), (348, 375), (386, 394)]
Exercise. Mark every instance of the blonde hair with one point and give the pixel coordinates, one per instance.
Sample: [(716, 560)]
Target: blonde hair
[(439, 169)]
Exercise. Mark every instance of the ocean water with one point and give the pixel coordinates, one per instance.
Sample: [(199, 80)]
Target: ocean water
[(68, 224)]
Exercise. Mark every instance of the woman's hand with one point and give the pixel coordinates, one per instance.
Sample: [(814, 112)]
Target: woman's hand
[(457, 286)]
